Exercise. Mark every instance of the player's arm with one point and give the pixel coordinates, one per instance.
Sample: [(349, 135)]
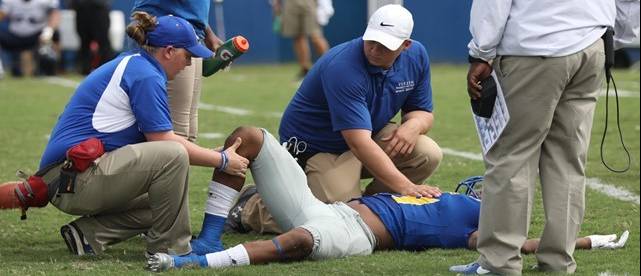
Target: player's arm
[(588, 242), (199, 156), (211, 40)]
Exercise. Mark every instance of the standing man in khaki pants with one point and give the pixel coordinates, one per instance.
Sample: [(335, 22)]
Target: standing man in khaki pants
[(338, 124), (549, 59)]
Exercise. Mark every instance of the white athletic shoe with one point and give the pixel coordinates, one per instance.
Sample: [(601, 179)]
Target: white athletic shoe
[(608, 241), (160, 262)]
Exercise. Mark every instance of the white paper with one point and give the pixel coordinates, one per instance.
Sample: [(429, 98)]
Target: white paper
[(489, 129)]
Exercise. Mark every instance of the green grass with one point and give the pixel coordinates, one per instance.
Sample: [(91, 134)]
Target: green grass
[(29, 108)]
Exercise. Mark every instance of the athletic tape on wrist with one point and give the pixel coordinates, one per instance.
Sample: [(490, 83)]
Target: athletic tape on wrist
[(224, 161)]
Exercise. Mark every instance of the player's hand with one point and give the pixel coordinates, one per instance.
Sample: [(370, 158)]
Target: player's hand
[(421, 191), (46, 35), (237, 164), (212, 41), (608, 241), (402, 140), (478, 71)]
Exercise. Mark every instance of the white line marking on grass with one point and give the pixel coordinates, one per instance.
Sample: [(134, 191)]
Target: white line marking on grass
[(235, 110), (275, 114), (622, 93), (592, 183), (612, 191), (62, 82), (466, 155), (211, 135), (225, 109)]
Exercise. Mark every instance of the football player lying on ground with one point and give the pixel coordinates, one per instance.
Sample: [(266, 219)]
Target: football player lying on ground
[(321, 231)]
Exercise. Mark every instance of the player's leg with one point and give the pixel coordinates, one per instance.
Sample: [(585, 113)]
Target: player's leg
[(294, 245), (223, 189)]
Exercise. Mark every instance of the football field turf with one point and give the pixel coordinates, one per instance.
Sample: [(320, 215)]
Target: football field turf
[(257, 95)]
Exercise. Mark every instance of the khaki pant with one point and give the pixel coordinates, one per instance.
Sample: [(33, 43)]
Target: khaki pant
[(136, 189), (184, 94), (333, 178), (551, 103), (299, 18)]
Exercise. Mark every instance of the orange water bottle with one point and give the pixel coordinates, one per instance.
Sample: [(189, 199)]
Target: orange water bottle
[(225, 54)]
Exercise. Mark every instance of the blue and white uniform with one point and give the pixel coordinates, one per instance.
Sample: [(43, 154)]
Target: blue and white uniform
[(343, 91), (117, 104), (422, 223)]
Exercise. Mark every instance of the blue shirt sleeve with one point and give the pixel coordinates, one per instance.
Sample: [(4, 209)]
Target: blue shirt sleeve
[(148, 99), (345, 89), (421, 97)]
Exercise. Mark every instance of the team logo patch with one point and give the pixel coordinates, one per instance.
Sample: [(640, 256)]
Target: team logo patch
[(413, 200), (404, 86)]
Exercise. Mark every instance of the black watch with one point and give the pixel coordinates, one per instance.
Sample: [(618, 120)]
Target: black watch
[(472, 59)]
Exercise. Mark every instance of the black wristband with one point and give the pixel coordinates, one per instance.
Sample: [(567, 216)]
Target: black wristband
[(472, 59)]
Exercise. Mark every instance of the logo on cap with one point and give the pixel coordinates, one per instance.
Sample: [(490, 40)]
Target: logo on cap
[(386, 25)]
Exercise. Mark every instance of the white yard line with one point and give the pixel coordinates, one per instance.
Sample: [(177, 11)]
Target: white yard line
[(211, 135), (225, 109), (466, 155), (62, 82), (236, 111), (622, 93), (592, 183), (612, 191)]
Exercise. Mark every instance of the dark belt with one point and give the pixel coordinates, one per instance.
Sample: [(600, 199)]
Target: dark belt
[(302, 158)]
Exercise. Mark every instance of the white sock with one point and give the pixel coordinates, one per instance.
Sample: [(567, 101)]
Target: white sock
[(220, 199), (235, 256)]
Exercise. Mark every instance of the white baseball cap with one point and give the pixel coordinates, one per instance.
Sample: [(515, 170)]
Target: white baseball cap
[(390, 25)]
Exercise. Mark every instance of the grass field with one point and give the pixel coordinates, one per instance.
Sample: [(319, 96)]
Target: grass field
[(255, 95)]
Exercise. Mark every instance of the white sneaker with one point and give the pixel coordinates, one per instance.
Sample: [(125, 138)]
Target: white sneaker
[(608, 241)]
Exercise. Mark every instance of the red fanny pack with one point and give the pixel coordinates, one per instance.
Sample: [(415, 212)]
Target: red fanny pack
[(81, 156)]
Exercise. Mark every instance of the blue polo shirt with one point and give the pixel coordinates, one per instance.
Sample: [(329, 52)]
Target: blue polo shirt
[(194, 11), (117, 103), (343, 91), (423, 223)]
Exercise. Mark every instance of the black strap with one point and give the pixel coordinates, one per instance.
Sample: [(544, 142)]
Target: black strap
[(608, 45)]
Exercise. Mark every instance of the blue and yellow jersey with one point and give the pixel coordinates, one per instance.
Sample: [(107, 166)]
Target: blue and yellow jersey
[(422, 223)]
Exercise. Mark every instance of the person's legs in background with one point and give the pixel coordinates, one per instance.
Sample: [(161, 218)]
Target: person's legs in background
[(92, 25), (319, 43), (303, 56), (183, 93)]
